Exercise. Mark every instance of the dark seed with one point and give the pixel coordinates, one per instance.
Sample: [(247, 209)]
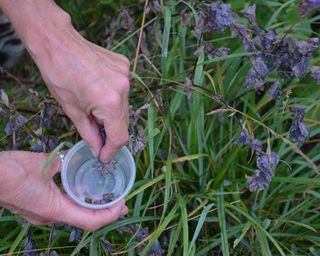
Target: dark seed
[(88, 200)]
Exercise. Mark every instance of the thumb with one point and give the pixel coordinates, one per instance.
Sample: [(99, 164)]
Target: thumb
[(88, 219)]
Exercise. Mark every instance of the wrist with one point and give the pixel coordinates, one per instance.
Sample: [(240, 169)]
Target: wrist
[(43, 40), (41, 25)]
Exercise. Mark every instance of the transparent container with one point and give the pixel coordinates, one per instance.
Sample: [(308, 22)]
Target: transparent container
[(89, 184)]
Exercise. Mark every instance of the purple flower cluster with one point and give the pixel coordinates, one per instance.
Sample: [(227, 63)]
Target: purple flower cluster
[(76, 235), (315, 73), (47, 114), (29, 245), (299, 131), (274, 90), (255, 79), (155, 6), (214, 17), (140, 234), (213, 53), (307, 6), (266, 162), (288, 56), (15, 122), (263, 175)]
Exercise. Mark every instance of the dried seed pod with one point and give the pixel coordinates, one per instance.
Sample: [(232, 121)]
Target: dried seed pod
[(108, 197), (88, 200)]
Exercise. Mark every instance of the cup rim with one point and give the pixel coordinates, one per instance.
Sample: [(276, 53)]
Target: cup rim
[(74, 197)]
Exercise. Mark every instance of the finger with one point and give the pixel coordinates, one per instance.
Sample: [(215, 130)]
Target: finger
[(117, 137), (88, 219), (34, 221), (89, 132), (47, 166), (124, 211)]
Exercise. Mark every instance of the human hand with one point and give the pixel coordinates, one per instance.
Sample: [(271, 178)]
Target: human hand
[(90, 83), (29, 191), (92, 86)]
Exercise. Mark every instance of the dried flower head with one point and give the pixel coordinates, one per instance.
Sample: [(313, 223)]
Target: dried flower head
[(48, 111), (135, 115), (105, 168), (107, 245), (274, 90), (241, 32), (137, 141), (215, 17), (244, 137), (298, 131), (263, 175), (29, 245), (15, 122), (155, 6), (250, 13), (140, 234), (214, 53), (307, 6), (266, 163), (126, 20), (315, 73), (76, 235), (256, 77)]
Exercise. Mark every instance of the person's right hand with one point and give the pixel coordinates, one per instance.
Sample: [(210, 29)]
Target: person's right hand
[(29, 191), (92, 85), (90, 82)]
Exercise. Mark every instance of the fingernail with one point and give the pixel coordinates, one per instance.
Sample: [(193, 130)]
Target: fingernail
[(93, 152)]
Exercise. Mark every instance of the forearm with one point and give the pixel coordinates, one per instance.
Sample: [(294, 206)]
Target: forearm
[(41, 24), (90, 82)]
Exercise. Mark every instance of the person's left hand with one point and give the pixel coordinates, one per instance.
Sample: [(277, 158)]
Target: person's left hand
[(29, 191)]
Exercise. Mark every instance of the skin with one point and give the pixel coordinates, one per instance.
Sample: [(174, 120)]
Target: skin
[(92, 86), (28, 190)]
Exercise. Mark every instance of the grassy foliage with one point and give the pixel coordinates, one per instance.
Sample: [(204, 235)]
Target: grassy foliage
[(191, 189)]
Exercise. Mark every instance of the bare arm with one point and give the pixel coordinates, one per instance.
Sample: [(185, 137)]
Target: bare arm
[(28, 190), (91, 83)]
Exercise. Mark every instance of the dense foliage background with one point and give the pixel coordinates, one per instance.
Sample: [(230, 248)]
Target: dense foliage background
[(201, 101)]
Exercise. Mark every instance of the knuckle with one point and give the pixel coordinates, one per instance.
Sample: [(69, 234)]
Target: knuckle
[(120, 141), (123, 83), (126, 62), (124, 139), (114, 101)]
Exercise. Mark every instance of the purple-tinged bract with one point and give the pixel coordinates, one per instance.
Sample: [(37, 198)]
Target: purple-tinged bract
[(315, 73)]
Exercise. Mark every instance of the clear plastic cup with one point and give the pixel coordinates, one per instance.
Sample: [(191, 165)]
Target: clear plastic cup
[(86, 184)]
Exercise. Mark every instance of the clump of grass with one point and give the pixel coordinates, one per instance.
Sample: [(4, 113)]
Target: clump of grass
[(201, 104)]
